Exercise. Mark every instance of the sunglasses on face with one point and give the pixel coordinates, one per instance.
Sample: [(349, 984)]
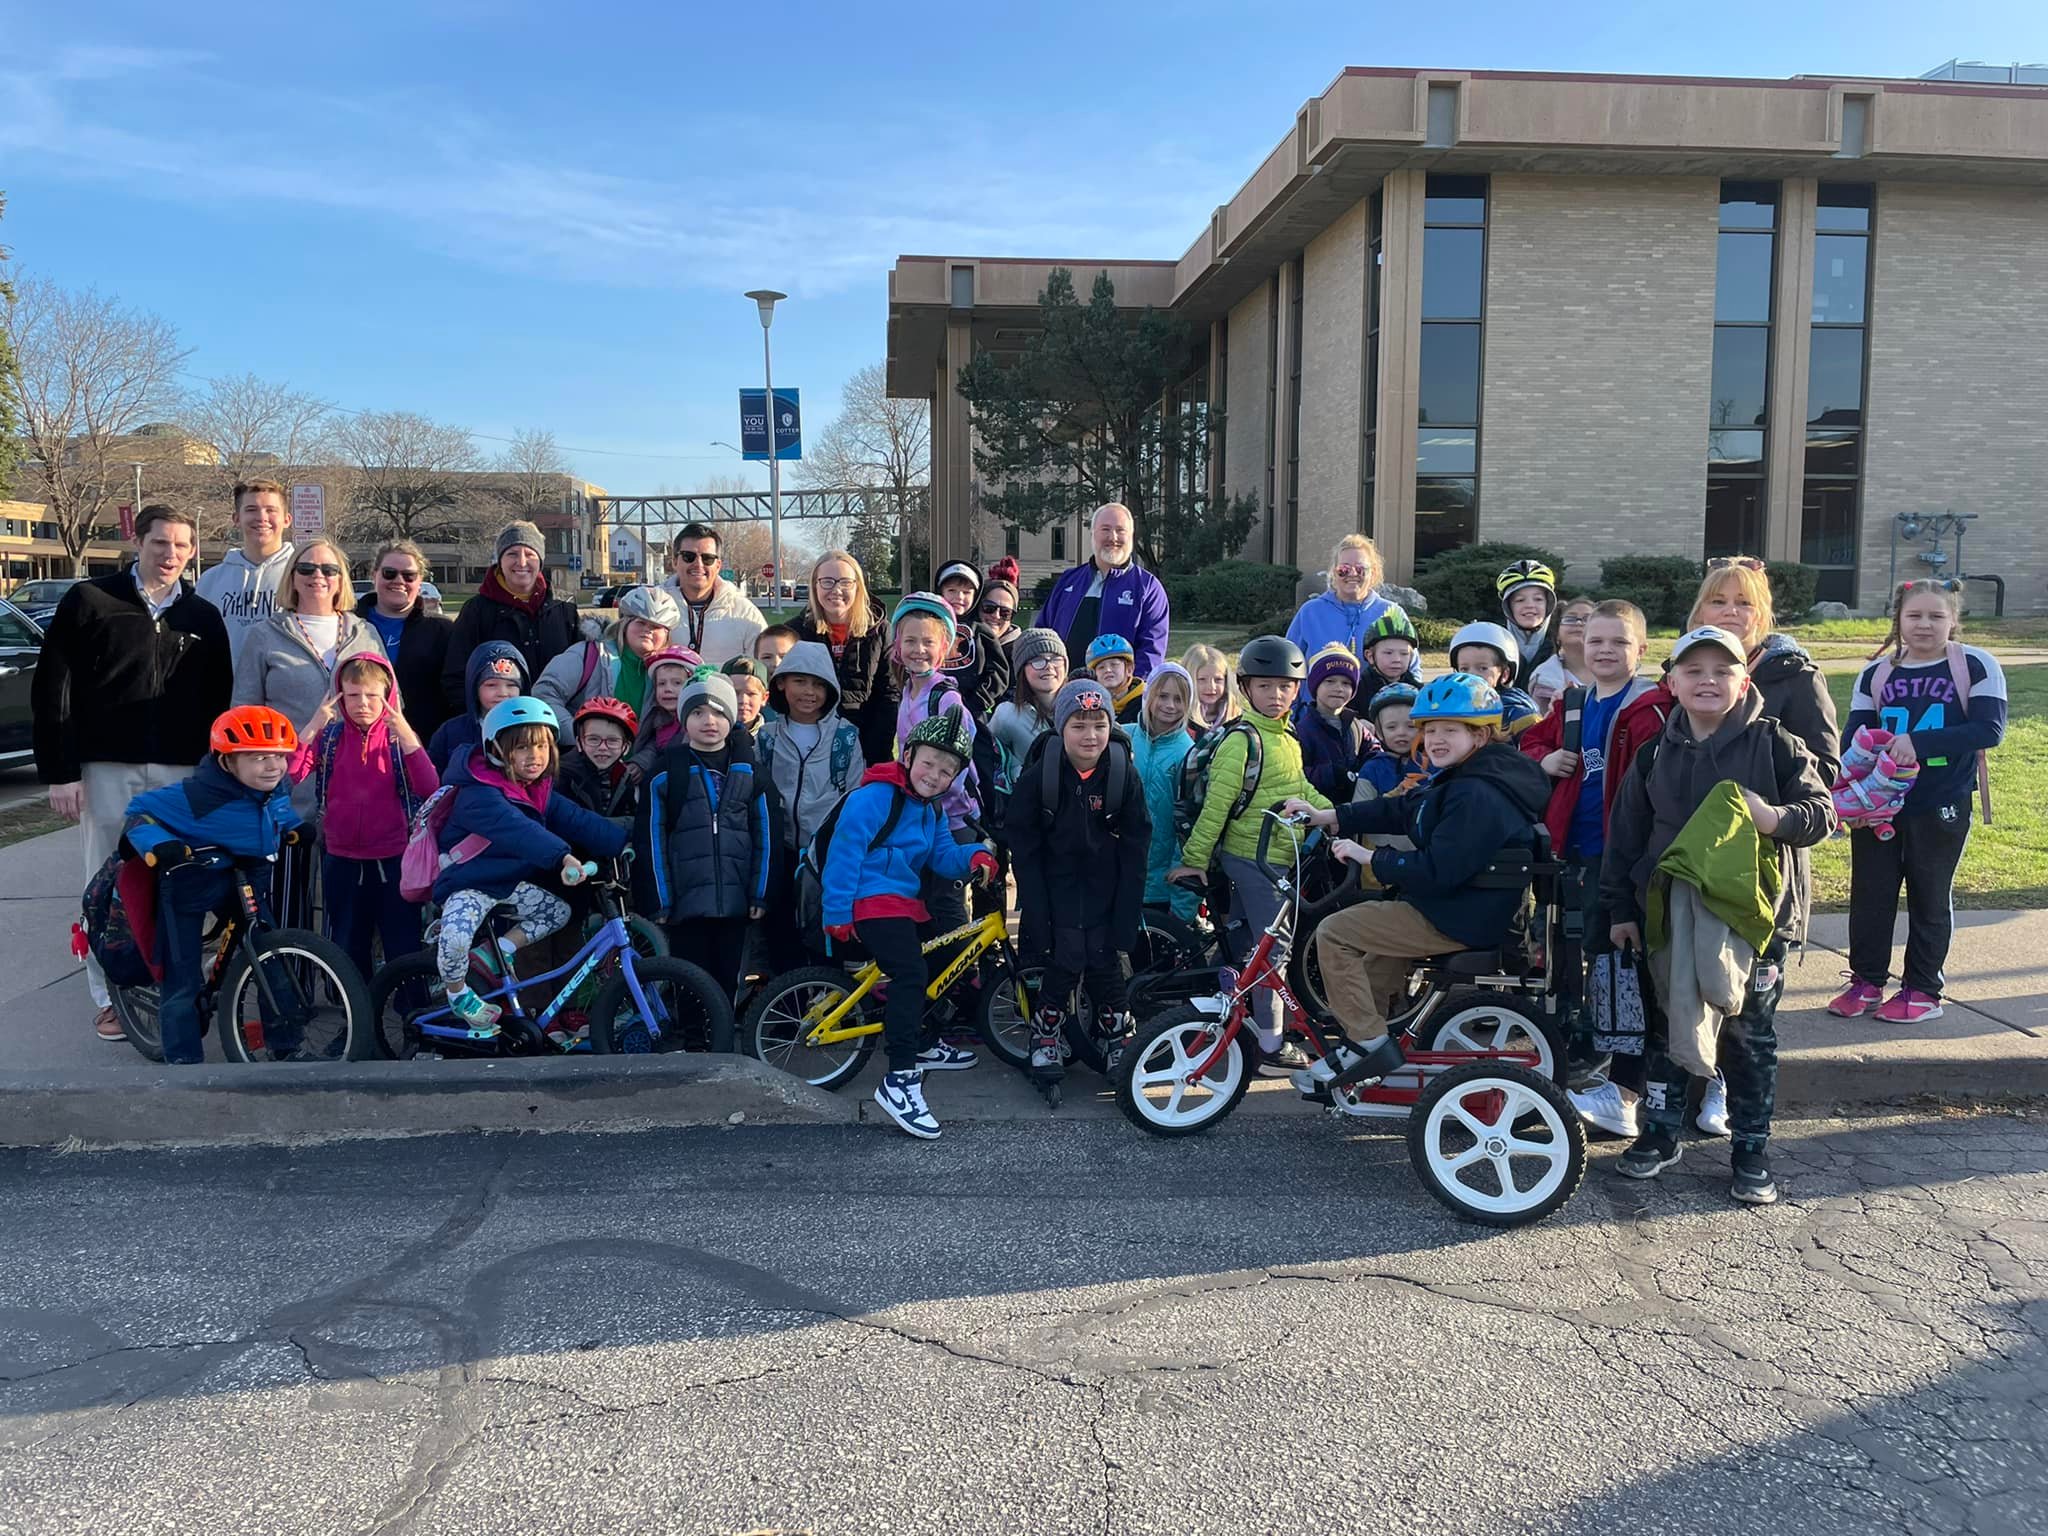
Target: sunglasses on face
[(310, 568), (997, 610), (1743, 562), (390, 573), (1349, 570), (696, 557)]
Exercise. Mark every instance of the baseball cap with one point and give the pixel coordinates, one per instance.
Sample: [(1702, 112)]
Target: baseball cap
[(1710, 634)]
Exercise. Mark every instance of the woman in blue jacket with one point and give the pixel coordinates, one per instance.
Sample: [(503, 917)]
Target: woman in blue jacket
[(1348, 608)]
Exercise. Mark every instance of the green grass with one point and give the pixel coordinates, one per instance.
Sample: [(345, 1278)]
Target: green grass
[(2006, 864)]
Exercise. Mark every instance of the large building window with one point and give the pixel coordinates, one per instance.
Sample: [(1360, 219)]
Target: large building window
[(1374, 257), (1829, 511), (1745, 271), (1294, 319), (1452, 363)]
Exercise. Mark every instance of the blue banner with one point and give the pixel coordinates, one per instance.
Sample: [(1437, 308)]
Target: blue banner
[(754, 424)]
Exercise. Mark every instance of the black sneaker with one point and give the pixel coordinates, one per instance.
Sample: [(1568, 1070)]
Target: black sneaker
[(1285, 1062), (1651, 1154), (1752, 1184)]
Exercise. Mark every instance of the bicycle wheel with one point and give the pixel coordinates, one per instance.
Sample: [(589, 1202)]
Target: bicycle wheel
[(785, 1011), (322, 1007), (686, 1011), (136, 1008), (1156, 1086), (1497, 1144), (1003, 1019), (405, 989), (1479, 1019)]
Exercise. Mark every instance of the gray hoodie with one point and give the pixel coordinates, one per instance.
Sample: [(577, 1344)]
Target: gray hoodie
[(811, 781), (245, 592)]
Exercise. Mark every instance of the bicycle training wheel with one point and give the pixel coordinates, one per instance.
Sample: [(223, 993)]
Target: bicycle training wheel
[(1497, 1143), (1157, 1087), (686, 1011), (302, 1000), (787, 1008), (136, 1008)]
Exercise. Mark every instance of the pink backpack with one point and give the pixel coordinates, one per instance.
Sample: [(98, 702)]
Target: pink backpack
[(1959, 674), (423, 860)]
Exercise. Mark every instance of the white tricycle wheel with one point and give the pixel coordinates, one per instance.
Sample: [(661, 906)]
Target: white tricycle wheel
[(1157, 1086), (1497, 1143)]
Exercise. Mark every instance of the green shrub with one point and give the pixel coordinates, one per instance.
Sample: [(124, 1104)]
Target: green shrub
[(1661, 585), (1435, 634), (1232, 592), (1459, 583), (1792, 589), (1041, 589), (1274, 623)]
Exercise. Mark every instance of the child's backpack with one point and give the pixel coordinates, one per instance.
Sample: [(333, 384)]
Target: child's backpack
[(1117, 770), (810, 867), (1193, 787), (104, 925), (422, 862), (1959, 674)]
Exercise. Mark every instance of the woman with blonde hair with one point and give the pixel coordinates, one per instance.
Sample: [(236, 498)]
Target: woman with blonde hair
[(1349, 605), (846, 619), (1215, 682)]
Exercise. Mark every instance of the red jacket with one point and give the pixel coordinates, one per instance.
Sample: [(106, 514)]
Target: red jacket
[(1639, 720)]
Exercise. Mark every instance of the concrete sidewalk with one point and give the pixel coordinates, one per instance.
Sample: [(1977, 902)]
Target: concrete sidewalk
[(1992, 1042)]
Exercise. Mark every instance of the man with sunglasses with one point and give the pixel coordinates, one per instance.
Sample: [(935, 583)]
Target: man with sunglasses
[(244, 585), (415, 640), (718, 622)]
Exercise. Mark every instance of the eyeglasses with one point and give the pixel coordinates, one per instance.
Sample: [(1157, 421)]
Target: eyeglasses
[(1347, 570), (834, 584), (1048, 661), (1572, 621), (696, 557), (310, 568), (997, 610), (392, 573), (1741, 562)]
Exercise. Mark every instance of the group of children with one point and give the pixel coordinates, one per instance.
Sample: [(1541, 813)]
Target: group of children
[(1107, 793)]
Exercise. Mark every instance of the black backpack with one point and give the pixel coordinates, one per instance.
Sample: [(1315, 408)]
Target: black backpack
[(1193, 786), (810, 868), (1049, 758)]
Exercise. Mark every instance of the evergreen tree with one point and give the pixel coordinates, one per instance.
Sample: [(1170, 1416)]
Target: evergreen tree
[(1076, 421)]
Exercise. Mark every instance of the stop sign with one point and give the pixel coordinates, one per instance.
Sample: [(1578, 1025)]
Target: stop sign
[(767, 573)]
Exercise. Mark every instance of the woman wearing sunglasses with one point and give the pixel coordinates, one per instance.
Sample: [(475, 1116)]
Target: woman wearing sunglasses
[(414, 638), (1345, 612)]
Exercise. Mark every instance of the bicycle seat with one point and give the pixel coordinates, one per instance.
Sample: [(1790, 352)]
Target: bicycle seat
[(1468, 962)]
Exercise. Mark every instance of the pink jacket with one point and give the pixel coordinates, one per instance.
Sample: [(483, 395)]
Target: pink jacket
[(363, 815)]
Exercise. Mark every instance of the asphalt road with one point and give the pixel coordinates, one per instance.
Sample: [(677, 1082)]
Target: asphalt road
[(1037, 1326)]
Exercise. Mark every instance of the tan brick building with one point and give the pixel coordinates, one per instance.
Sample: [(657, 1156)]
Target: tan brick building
[(1608, 314)]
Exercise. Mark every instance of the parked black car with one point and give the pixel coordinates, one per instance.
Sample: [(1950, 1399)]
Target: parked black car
[(39, 599), (21, 648)]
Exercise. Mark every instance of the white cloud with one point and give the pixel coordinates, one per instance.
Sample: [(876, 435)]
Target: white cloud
[(840, 203)]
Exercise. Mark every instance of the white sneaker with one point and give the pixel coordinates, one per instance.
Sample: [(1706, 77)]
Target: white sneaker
[(945, 1058), (1713, 1115), (1325, 1068), (1610, 1107), (901, 1096)]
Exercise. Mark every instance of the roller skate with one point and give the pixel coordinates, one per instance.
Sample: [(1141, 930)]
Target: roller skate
[(1048, 1054)]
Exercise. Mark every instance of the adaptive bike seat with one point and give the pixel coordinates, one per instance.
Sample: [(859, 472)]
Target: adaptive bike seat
[(1469, 962)]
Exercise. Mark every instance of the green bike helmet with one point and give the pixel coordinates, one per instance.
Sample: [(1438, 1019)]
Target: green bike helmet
[(1391, 625), (948, 731)]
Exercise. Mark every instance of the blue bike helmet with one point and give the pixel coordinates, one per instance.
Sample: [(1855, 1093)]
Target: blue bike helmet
[(931, 605), (523, 709), (1457, 696), (1393, 693)]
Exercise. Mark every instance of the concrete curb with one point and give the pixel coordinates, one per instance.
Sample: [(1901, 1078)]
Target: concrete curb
[(140, 1103)]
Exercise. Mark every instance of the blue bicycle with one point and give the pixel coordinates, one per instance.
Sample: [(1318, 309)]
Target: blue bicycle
[(644, 1002)]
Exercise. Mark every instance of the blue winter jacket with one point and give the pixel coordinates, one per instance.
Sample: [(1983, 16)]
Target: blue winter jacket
[(213, 809), (712, 849), (467, 728), (1327, 619), (1158, 760), (1330, 754), (526, 840), (1133, 605), (885, 881)]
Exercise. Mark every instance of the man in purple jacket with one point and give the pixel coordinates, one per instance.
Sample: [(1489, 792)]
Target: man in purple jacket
[(1110, 595)]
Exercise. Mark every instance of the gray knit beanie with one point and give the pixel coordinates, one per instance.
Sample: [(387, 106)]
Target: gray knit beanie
[(1032, 644), (1077, 695), (709, 688), (517, 535)]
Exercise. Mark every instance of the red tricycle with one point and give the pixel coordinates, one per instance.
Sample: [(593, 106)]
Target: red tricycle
[(1490, 1133)]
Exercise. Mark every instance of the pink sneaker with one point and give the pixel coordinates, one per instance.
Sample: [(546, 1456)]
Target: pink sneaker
[(1856, 999), (1909, 1007)]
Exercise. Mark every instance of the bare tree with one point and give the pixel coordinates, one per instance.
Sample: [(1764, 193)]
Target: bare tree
[(878, 442), (10, 380), (259, 430), (536, 468), (90, 372), (411, 477)]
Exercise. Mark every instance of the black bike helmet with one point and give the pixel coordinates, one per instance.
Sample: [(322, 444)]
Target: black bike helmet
[(1272, 656)]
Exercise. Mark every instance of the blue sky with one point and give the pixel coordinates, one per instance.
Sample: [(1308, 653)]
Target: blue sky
[(534, 215)]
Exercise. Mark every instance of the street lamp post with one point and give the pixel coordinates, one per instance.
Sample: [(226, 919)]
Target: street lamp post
[(766, 299)]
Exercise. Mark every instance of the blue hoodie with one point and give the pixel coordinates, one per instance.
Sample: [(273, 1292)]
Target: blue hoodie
[(526, 835), (213, 809), (467, 728), (884, 881), (1326, 619)]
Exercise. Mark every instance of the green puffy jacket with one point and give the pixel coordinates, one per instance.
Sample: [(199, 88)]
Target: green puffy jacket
[(1280, 778)]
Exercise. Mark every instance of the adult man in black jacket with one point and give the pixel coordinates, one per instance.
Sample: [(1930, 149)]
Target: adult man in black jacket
[(133, 670)]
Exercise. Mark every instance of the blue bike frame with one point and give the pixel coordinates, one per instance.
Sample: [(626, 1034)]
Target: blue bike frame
[(613, 936)]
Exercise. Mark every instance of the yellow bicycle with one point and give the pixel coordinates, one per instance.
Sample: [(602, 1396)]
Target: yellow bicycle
[(820, 1023)]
